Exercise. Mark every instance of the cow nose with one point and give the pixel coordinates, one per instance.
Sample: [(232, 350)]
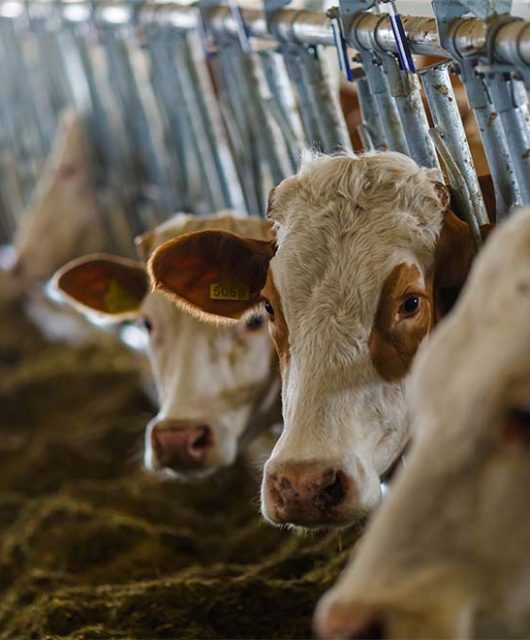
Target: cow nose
[(181, 446), (340, 622), (306, 496)]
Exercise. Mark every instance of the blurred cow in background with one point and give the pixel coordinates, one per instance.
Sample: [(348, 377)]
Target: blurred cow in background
[(216, 385)]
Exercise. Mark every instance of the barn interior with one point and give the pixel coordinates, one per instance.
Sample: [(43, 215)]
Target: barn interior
[(198, 109)]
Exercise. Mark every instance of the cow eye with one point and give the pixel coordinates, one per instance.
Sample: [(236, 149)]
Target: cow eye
[(147, 324), (409, 306), (269, 309), (255, 322)]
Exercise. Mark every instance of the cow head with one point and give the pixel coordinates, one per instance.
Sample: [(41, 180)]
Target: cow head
[(208, 378), (447, 554), (367, 256), (63, 219)]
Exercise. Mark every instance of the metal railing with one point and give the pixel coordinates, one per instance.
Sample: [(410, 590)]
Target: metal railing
[(204, 107)]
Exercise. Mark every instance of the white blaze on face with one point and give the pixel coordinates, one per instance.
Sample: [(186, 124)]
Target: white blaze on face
[(447, 554), (63, 220)]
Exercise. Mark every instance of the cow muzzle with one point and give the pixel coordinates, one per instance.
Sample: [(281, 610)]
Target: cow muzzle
[(344, 621), (180, 446), (307, 495)]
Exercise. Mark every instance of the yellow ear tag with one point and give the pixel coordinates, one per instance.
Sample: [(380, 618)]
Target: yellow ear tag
[(118, 299), (229, 291)]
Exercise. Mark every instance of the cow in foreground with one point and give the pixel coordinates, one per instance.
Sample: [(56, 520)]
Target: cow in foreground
[(210, 380), (367, 256), (447, 554)]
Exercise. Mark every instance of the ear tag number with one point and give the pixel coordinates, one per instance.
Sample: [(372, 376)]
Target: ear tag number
[(118, 299), (229, 291)]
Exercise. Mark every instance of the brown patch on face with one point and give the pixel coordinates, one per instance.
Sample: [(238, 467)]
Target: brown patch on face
[(278, 327), (397, 333)]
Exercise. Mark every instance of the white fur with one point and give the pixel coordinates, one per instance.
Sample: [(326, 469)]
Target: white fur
[(447, 554), (343, 223)]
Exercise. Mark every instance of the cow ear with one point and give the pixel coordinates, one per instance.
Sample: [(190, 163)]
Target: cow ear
[(454, 254), (103, 284), (213, 273)]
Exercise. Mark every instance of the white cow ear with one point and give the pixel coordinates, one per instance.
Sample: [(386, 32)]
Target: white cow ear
[(104, 285)]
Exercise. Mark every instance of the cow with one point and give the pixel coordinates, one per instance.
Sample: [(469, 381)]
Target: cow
[(210, 380), (367, 256), (63, 219), (446, 556)]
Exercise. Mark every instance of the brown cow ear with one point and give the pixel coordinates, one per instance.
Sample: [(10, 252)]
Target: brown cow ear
[(212, 272), (454, 254), (104, 284)]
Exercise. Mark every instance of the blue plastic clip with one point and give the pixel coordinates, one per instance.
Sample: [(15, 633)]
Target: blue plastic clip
[(341, 45), (406, 63)]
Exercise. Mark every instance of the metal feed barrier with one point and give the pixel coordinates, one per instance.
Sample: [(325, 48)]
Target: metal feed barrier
[(205, 107)]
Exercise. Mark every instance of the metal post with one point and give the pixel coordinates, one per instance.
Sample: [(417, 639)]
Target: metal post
[(404, 88), (510, 101), (386, 105), (371, 128), (502, 170), (447, 120)]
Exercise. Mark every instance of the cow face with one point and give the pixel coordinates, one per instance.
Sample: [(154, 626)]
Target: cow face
[(208, 378), (366, 256), (447, 555)]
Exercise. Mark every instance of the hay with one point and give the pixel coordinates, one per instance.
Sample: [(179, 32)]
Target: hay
[(92, 547)]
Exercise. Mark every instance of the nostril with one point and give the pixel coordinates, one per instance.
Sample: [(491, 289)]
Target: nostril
[(373, 630), (202, 440), (333, 489)]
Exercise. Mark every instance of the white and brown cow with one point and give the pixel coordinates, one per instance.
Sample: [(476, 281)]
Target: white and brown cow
[(209, 379), (447, 554), (367, 257)]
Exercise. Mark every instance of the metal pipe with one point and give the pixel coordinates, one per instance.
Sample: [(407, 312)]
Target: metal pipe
[(385, 103), (493, 140), (510, 100), (371, 128), (405, 89), (468, 35), (447, 120)]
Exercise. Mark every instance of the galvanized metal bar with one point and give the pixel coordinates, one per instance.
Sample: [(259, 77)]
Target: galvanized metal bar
[(241, 134), (511, 102), (386, 105), (283, 107), (332, 128), (465, 199), (371, 129), (142, 148), (171, 100), (468, 35), (404, 88), (447, 120), (209, 136), (494, 141)]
